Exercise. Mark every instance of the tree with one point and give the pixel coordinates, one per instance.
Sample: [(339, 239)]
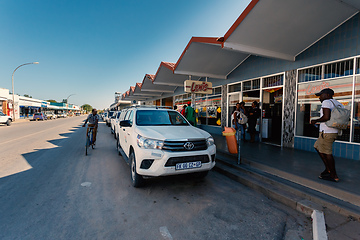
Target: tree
[(87, 107), (51, 100)]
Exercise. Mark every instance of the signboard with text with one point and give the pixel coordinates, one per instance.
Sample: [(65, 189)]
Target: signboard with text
[(198, 87)]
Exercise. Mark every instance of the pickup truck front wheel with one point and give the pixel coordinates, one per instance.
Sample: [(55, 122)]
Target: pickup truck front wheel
[(118, 147), (8, 122), (136, 179)]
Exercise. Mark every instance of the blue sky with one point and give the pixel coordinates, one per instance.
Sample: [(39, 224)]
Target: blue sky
[(94, 48)]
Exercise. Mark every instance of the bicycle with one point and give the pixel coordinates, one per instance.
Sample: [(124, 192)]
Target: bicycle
[(89, 139)]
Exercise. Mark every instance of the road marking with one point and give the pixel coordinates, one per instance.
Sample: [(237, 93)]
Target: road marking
[(165, 233), (86, 184)]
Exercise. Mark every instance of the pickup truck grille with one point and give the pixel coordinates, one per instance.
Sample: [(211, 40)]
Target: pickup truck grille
[(171, 162), (179, 146)]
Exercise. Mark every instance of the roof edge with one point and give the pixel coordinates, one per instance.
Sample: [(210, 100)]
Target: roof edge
[(211, 40), (240, 19)]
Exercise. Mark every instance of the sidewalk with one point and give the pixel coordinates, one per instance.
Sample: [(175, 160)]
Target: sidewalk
[(21, 120), (299, 167)]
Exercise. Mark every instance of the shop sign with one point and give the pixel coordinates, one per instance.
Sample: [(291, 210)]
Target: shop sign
[(198, 87), (312, 89)]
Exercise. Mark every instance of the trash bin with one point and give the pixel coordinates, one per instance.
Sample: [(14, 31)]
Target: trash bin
[(230, 134)]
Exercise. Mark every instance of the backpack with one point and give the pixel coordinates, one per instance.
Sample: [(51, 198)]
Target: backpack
[(242, 118), (339, 118)]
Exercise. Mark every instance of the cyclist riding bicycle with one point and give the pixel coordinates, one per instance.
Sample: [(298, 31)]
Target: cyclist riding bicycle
[(93, 120)]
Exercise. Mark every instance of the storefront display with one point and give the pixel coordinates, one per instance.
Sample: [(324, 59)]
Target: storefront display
[(309, 105), (208, 111)]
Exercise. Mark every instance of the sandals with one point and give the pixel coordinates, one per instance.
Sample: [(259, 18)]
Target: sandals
[(325, 173), (329, 178)]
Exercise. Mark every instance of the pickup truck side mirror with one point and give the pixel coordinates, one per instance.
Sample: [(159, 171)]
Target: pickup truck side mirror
[(125, 123)]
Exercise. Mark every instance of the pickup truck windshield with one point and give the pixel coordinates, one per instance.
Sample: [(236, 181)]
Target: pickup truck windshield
[(159, 118)]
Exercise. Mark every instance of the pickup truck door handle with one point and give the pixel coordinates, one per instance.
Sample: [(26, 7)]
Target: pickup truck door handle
[(123, 129), (128, 134)]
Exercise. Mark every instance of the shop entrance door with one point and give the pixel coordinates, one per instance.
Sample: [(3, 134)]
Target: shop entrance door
[(272, 111)]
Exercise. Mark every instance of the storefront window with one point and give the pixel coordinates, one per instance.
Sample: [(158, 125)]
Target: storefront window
[(247, 86), (235, 88), (200, 108), (356, 120), (182, 100), (339, 69), (217, 91), (233, 99), (208, 110), (309, 105), (273, 81), (310, 74), (251, 96)]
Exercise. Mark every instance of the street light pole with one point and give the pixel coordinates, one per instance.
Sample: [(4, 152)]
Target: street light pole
[(13, 92), (67, 100)]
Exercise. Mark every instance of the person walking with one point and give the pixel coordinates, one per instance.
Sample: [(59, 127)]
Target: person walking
[(183, 110), (239, 108), (327, 135), (190, 114), (254, 114)]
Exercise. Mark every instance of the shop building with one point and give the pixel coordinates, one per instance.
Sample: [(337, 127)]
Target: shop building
[(25, 107), (279, 60)]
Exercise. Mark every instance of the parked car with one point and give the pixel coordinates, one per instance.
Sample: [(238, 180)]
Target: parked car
[(5, 119), (117, 126), (159, 142), (50, 115), (104, 116), (115, 121), (61, 115), (108, 118), (39, 116)]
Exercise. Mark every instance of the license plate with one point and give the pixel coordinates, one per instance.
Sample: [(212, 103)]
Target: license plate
[(188, 165)]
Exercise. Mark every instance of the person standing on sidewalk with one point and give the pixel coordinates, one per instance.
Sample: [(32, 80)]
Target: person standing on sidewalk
[(183, 110), (327, 135), (235, 119), (254, 114), (190, 114)]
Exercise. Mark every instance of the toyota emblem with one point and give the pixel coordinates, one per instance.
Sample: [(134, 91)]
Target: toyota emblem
[(188, 145)]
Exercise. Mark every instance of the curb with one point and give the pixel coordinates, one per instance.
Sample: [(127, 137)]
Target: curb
[(319, 228), (305, 199), (304, 206)]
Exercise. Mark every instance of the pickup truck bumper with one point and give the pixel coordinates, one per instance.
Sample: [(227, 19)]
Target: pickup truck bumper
[(163, 163)]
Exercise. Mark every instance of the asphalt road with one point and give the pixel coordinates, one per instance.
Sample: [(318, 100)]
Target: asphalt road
[(49, 189)]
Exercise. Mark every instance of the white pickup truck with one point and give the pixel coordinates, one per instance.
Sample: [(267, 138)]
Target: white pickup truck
[(159, 142), (115, 122), (5, 119)]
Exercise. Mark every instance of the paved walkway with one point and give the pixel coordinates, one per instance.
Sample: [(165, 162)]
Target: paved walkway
[(299, 166)]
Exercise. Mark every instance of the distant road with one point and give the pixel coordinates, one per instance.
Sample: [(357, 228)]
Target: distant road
[(49, 189)]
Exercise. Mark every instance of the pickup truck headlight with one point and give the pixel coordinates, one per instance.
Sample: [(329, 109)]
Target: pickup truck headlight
[(149, 143), (210, 141)]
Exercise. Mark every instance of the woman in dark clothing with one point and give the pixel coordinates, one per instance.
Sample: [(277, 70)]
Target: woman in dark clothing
[(254, 114)]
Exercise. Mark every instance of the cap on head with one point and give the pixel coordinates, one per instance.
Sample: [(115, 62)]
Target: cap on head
[(325, 90), (189, 103)]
